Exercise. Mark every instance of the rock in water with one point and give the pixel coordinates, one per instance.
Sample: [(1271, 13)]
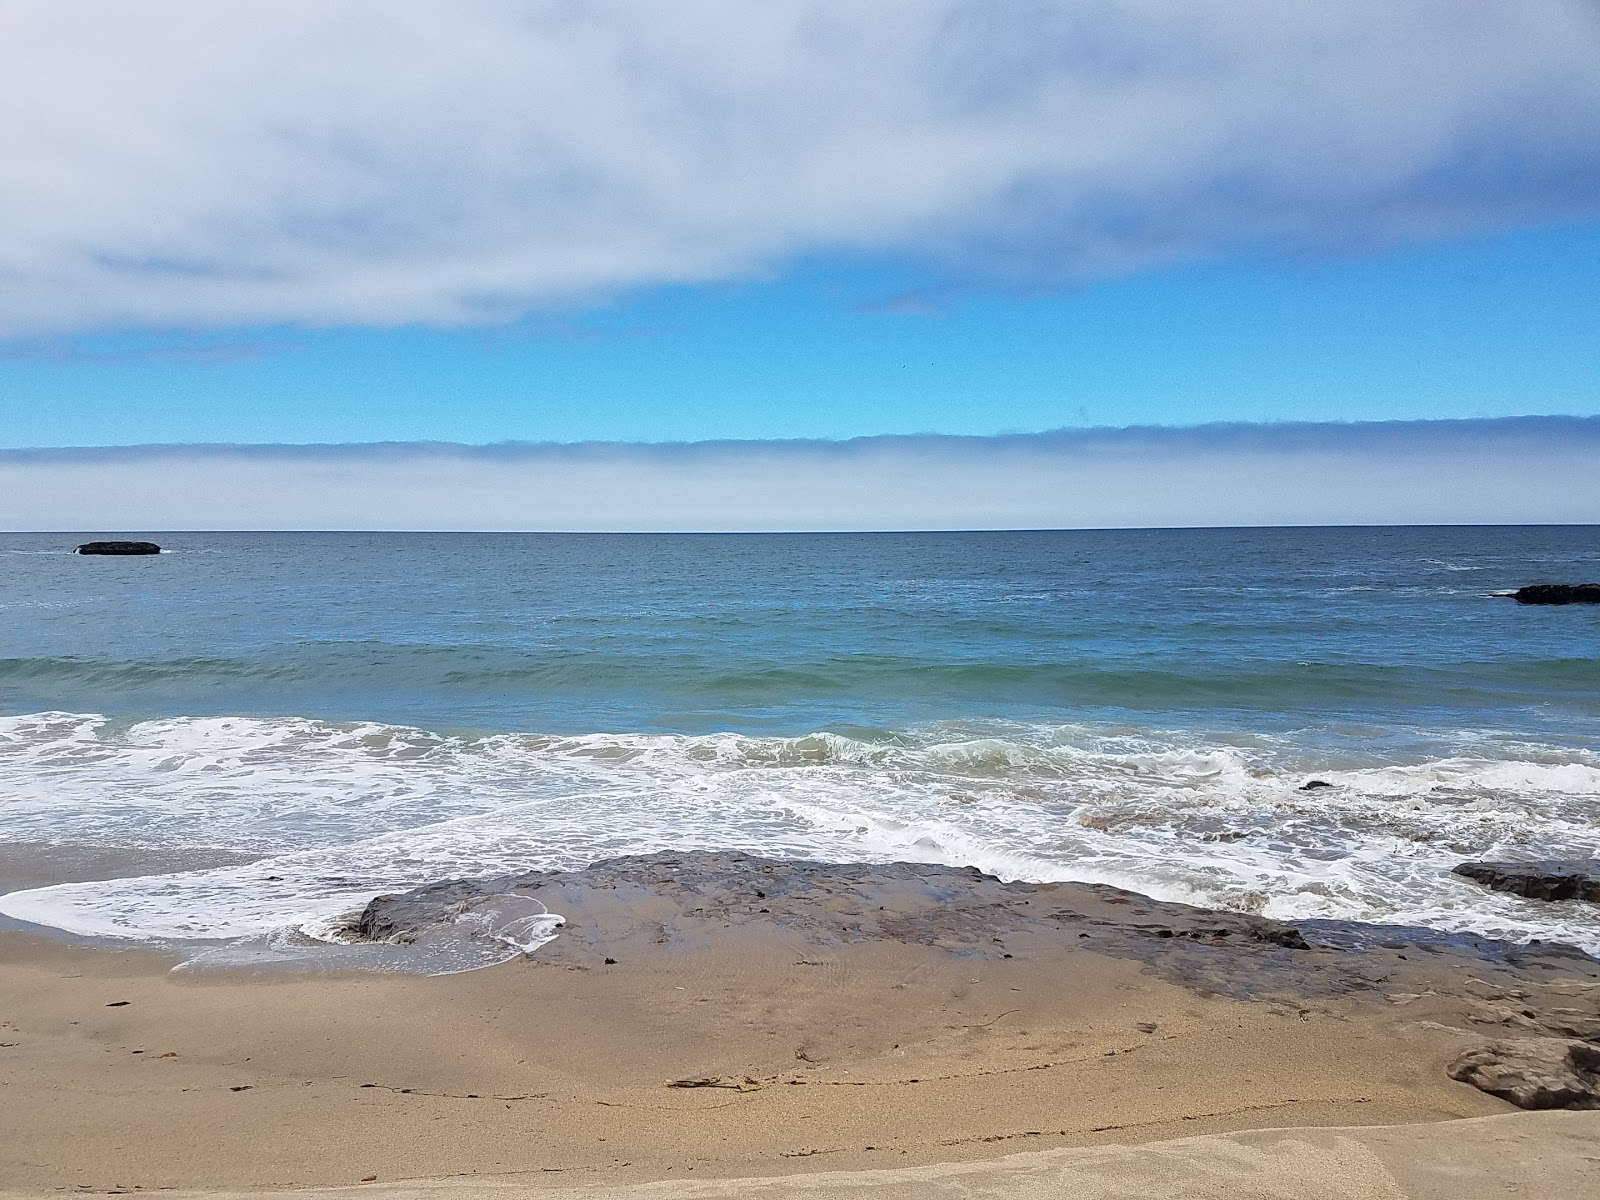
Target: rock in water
[(1552, 879), (1558, 593), (118, 548), (1534, 1072)]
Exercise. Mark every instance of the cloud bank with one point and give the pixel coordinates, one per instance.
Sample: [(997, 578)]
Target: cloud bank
[(1527, 470), (372, 162)]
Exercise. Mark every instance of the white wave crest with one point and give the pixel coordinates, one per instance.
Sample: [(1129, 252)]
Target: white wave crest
[(341, 812)]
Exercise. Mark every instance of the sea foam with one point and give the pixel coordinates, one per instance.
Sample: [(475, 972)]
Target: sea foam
[(340, 812)]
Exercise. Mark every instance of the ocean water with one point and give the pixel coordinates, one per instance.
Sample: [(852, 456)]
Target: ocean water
[(346, 714)]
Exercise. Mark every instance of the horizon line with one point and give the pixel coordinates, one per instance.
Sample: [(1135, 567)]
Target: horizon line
[(1461, 472), (1056, 435), (706, 533)]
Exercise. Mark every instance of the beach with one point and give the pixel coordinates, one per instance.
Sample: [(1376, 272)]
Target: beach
[(450, 861), (800, 601), (681, 1027)]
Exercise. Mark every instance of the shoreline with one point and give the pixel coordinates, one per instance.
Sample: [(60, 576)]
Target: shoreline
[(1217, 818), (866, 1020)]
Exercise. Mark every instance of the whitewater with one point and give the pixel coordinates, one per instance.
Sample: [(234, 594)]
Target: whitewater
[(258, 733)]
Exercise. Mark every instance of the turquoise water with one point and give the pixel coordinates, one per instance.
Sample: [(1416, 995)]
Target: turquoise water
[(785, 634), (366, 711)]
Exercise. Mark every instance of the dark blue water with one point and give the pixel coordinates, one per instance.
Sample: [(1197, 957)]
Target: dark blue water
[(788, 633), (360, 712)]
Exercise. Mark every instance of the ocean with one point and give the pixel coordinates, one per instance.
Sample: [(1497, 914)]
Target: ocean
[(269, 729)]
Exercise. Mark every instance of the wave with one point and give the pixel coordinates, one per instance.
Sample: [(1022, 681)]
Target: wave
[(469, 673), (333, 813)]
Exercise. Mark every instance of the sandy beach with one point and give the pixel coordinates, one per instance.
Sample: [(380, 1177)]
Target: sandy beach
[(673, 1034), (800, 600)]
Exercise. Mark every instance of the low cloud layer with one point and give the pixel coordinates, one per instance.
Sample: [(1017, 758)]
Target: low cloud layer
[(1515, 471), (373, 162)]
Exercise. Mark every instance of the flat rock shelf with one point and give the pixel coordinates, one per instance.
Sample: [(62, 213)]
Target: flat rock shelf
[(1547, 879), (645, 907)]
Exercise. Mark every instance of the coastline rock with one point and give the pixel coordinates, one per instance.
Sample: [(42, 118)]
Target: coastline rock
[(637, 908), (655, 910), (1558, 593), (1552, 879), (118, 548), (1534, 1072), (960, 909)]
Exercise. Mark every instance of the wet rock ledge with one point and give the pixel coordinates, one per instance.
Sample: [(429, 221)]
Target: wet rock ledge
[(1539, 1005), (1551, 879)]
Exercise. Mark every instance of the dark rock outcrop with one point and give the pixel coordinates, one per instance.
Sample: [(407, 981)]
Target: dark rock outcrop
[(118, 548), (633, 908), (1537, 1072), (1558, 593), (957, 908), (1576, 879), (639, 910)]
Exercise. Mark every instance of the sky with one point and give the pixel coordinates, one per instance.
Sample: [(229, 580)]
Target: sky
[(529, 221), (1519, 470)]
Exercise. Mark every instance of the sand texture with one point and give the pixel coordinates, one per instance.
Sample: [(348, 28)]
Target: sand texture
[(869, 1019), (1547, 1155)]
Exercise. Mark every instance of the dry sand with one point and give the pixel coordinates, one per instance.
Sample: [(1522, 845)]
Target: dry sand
[(848, 1055), (1549, 1156)]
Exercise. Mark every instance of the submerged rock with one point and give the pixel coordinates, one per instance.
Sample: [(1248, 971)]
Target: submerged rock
[(118, 548), (1558, 593), (1534, 1072), (1551, 879)]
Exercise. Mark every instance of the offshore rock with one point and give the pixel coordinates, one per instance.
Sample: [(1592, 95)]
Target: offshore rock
[(1551, 879), (1534, 1072), (1558, 593), (118, 548)]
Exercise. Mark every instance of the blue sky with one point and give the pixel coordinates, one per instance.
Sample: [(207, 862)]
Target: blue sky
[(532, 221), (1496, 325)]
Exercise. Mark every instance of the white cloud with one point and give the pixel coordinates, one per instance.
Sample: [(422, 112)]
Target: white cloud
[(1526, 470), (378, 161)]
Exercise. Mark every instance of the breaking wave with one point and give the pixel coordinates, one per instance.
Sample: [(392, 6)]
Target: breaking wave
[(318, 816)]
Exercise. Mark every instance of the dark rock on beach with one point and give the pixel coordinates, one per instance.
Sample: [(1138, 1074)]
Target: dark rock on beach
[(1540, 1003), (961, 910), (1576, 879), (1558, 593), (118, 548), (643, 905), (1534, 1072)]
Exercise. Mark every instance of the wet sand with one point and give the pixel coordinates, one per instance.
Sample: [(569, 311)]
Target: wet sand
[(25, 865), (826, 1033)]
